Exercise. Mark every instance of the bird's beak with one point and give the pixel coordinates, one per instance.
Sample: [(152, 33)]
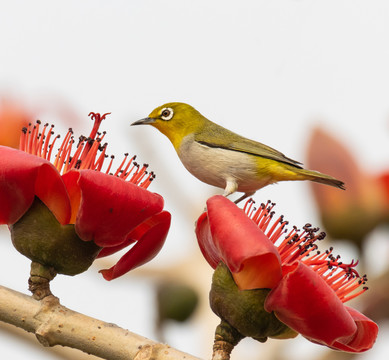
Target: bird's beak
[(144, 121)]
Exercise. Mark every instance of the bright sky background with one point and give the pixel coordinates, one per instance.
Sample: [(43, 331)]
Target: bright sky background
[(269, 70)]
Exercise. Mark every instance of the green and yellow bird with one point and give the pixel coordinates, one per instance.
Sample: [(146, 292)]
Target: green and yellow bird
[(221, 158)]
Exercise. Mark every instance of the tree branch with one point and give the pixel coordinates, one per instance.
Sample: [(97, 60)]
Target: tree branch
[(54, 324)]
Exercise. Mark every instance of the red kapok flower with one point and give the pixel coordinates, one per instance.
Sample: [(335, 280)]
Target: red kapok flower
[(13, 116), (354, 213), (308, 288), (110, 210)]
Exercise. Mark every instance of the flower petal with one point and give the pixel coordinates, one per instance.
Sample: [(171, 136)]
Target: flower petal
[(150, 237), (70, 180), (229, 235), (110, 208), (205, 240), (303, 301), (365, 335), (24, 176)]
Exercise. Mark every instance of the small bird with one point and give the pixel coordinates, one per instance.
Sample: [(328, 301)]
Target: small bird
[(222, 158)]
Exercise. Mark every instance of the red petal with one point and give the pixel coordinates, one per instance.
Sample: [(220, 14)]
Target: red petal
[(231, 236), (151, 236), (23, 176), (70, 180), (303, 301), (205, 240), (365, 335), (111, 208), (113, 249)]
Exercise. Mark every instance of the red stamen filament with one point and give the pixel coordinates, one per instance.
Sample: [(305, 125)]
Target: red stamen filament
[(46, 144), (127, 172), (100, 161), (119, 169), (51, 147), (148, 181), (29, 139), (110, 164), (40, 143), (89, 153), (343, 279), (63, 151)]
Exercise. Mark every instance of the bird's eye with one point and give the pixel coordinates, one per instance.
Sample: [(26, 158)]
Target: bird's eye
[(167, 113)]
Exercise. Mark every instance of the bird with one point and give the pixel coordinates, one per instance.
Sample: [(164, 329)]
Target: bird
[(222, 158)]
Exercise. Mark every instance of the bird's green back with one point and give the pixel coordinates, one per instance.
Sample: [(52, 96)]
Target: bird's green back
[(226, 139)]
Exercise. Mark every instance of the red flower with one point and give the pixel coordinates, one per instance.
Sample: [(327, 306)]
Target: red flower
[(112, 210), (308, 288), (13, 116), (354, 213)]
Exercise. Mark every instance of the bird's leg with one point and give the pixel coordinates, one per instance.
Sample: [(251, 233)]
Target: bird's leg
[(244, 196), (231, 187)]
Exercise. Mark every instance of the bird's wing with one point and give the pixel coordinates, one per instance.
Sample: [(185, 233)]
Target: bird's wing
[(241, 144)]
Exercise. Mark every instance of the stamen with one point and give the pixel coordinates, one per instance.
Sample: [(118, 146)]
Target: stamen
[(298, 245), (75, 161), (51, 147), (63, 151), (119, 169), (88, 160), (248, 206), (34, 138), (47, 142), (100, 161), (89, 152), (145, 184), (23, 139), (139, 174), (42, 136), (30, 138), (110, 164), (127, 172)]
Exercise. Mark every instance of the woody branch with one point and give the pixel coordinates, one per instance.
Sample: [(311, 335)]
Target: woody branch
[(54, 324)]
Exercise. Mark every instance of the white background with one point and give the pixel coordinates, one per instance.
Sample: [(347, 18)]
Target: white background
[(269, 70)]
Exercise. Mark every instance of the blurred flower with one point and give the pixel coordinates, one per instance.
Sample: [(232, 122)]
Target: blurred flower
[(350, 214), (308, 289), (13, 116), (71, 201), (383, 178)]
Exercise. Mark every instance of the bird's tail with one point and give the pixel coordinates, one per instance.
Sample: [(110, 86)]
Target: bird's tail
[(322, 178)]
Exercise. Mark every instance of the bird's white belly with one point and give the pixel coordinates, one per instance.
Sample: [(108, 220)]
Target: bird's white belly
[(216, 166)]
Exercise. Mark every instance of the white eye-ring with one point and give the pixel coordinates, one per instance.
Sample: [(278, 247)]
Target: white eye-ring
[(167, 113)]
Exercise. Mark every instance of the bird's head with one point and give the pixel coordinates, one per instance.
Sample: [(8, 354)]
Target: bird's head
[(175, 120)]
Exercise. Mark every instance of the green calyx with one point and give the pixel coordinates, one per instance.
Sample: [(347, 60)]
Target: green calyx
[(40, 237), (244, 310)]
